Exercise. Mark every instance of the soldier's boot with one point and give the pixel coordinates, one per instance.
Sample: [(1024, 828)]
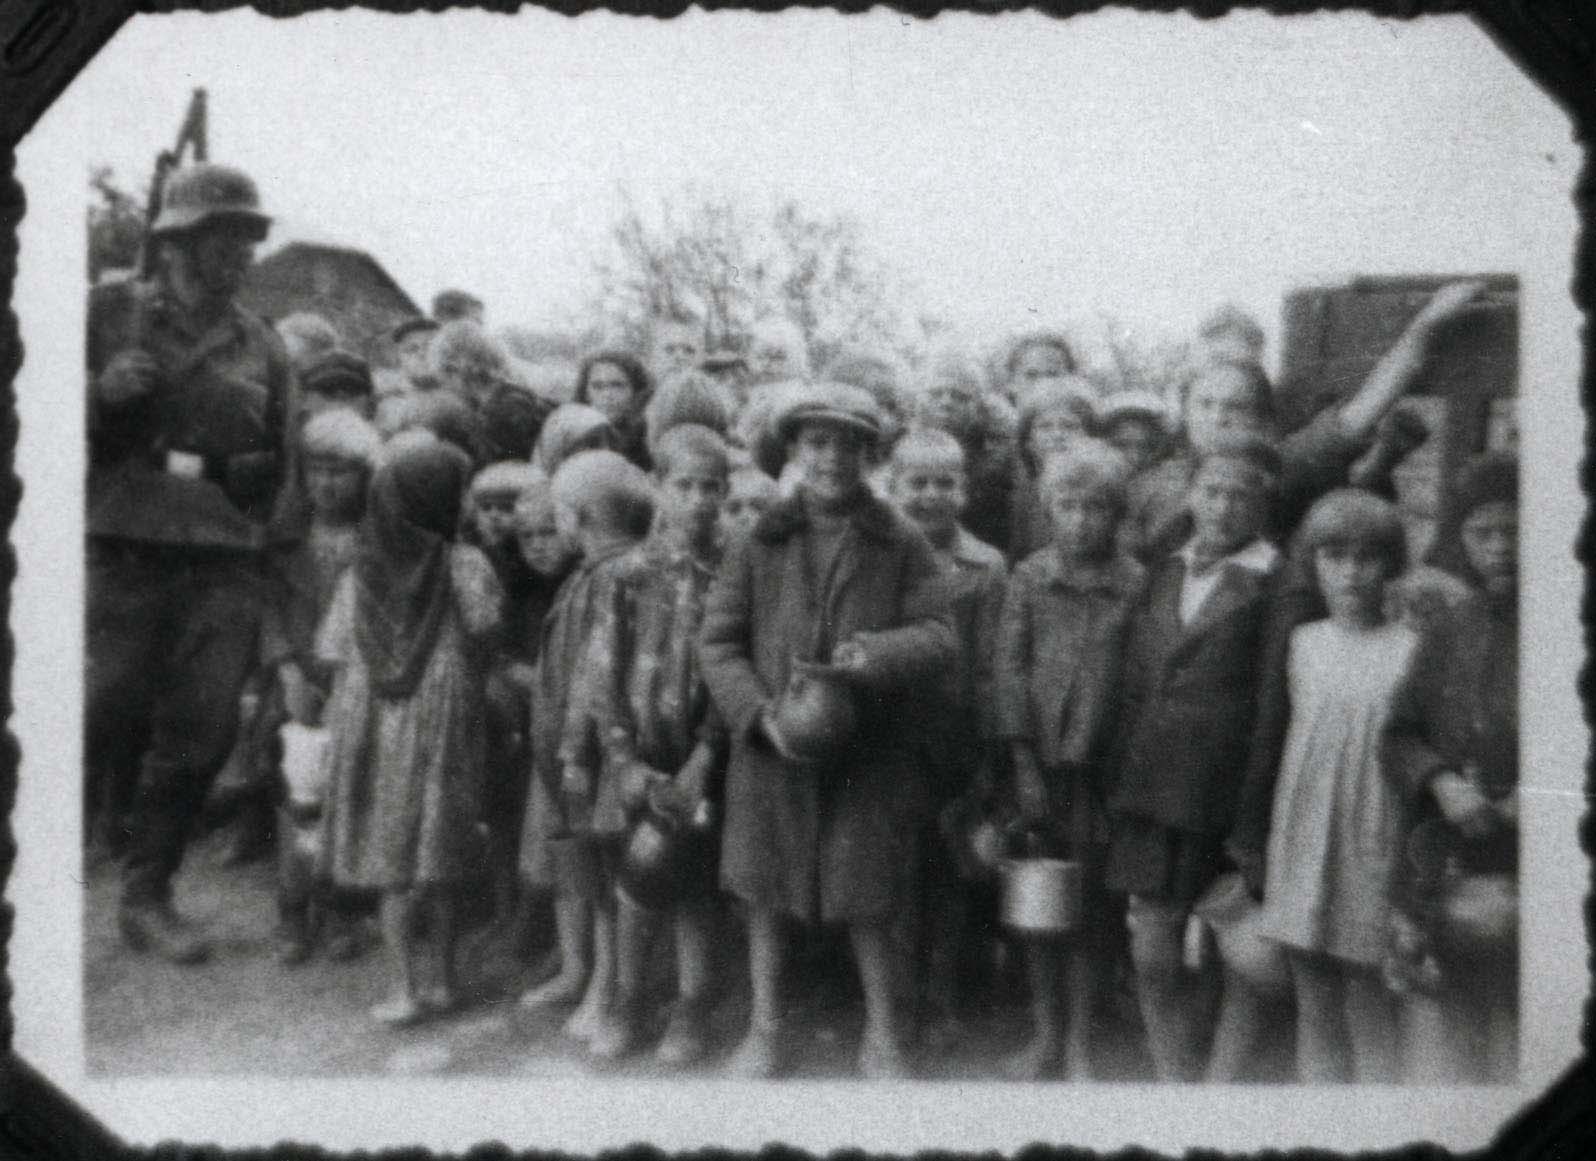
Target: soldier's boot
[(154, 926)]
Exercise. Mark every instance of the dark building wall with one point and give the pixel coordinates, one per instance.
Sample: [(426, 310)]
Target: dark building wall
[(347, 287), (1334, 335)]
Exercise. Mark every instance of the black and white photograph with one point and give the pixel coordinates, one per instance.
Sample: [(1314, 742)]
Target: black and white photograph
[(835, 579)]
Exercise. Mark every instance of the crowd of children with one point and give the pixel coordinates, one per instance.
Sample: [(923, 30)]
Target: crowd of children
[(766, 651)]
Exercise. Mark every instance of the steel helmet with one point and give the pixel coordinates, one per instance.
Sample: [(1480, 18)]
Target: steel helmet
[(203, 192)]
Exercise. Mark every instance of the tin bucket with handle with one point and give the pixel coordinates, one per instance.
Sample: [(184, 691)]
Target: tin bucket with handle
[(1042, 893)]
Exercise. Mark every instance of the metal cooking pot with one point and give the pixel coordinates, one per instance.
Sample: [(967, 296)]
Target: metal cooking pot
[(668, 858), (815, 716), (1041, 890), (1479, 916)]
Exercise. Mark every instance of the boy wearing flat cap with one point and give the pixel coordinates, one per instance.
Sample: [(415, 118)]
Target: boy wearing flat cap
[(821, 828)]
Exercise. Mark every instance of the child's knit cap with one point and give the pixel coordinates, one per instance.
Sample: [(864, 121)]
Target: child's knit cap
[(535, 503), (1064, 393), (337, 374), (505, 478), (927, 445), (687, 397), (1090, 465), (1133, 404), (340, 434), (614, 492), (1253, 448), (568, 426)]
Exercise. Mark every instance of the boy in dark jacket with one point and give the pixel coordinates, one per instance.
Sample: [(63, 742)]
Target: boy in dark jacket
[(1189, 699)]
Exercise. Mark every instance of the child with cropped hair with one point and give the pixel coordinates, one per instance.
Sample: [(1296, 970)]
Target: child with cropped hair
[(662, 740), (1060, 650), (926, 479), (604, 505), (750, 492), (1189, 698)]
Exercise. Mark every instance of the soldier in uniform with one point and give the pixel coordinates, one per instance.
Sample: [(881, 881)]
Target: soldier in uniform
[(189, 399)]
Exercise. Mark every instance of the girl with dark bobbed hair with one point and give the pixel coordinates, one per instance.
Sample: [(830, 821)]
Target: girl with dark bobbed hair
[(616, 383)]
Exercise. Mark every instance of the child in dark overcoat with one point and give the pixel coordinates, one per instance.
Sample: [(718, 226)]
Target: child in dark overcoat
[(825, 834), (1189, 698)]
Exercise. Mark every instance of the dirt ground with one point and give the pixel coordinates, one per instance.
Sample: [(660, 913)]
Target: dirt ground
[(245, 1013)]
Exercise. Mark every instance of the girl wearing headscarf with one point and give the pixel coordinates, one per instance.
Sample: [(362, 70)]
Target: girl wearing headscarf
[(407, 634)]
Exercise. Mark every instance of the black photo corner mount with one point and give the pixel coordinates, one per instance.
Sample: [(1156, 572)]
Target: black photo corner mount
[(43, 45)]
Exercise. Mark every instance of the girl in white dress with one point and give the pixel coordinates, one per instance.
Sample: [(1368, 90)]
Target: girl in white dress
[(1336, 822)]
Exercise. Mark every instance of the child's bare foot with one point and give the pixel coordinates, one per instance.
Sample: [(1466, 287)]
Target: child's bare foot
[(565, 988), (399, 1011), (1077, 1059), (880, 1058), (686, 1039), (617, 1033), (760, 1056), (584, 1022), (440, 998), (1037, 1060)]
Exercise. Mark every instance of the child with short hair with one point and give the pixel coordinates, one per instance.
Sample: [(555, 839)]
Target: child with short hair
[(569, 429), (661, 738), (1190, 687), (604, 504), (1334, 835), (1060, 647), (337, 451), (926, 479), (489, 525), (405, 753), (750, 493)]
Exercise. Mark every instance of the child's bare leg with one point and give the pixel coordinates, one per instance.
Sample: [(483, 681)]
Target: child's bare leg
[(1241, 1014), (760, 1054), (403, 1006), (1322, 1050), (1043, 964), (687, 1037), (1371, 1026), (1081, 969), (443, 995), (1156, 931), (879, 1055), (572, 921), (584, 1022), (620, 1025)]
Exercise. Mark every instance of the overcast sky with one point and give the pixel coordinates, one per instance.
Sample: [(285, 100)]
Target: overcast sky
[(1018, 170)]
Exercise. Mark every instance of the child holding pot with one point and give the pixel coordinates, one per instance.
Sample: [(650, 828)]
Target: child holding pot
[(1060, 643), (834, 586)]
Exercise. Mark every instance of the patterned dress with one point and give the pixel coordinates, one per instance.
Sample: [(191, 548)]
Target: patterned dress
[(641, 684), (1336, 830), (405, 775)]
